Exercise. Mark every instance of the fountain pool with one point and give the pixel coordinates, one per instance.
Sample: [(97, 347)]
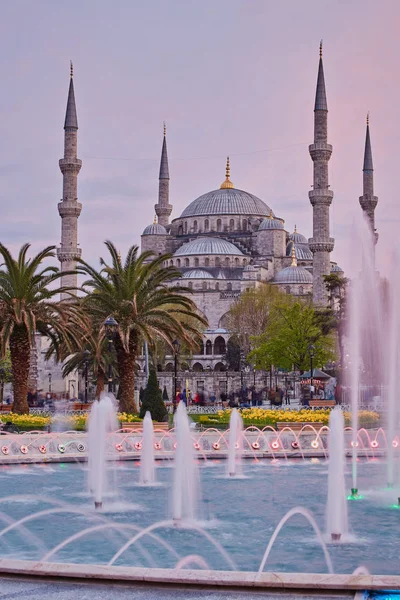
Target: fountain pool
[(240, 516)]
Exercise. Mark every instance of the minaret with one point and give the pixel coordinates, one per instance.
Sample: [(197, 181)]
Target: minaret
[(320, 196), (163, 208), (368, 201), (69, 208)]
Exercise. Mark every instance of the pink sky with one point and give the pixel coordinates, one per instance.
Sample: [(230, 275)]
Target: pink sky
[(230, 77)]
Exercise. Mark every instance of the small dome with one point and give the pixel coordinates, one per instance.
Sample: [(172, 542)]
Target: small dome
[(155, 229), (197, 274), (302, 250), (211, 245), (270, 223), (336, 269), (293, 275), (297, 238)]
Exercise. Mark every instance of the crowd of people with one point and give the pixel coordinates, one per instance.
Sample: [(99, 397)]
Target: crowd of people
[(244, 398)]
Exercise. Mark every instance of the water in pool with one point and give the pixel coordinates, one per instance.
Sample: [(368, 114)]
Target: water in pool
[(240, 515)]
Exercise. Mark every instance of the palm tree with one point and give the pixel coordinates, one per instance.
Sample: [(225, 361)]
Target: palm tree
[(27, 306), (140, 295)]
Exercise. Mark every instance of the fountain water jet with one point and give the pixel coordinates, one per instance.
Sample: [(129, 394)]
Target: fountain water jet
[(102, 421), (186, 487), (147, 469), (336, 503), (235, 447)]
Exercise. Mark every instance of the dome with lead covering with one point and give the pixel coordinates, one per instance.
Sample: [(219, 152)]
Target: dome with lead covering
[(270, 223), (209, 245), (197, 274), (292, 275), (155, 229), (297, 237), (302, 250), (227, 201), (336, 269)]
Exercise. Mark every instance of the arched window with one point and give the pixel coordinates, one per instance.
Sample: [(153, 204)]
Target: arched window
[(219, 225), (185, 227), (244, 262), (217, 286), (206, 225), (190, 285), (171, 263), (195, 226), (287, 289), (236, 262), (227, 261), (178, 262), (208, 347), (244, 224), (220, 367), (301, 290), (204, 285), (196, 262), (231, 225), (217, 261), (197, 367), (207, 262), (229, 287), (219, 345), (186, 262), (180, 230)]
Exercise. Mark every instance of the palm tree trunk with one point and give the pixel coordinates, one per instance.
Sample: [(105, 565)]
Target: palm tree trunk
[(20, 352), (126, 371), (99, 382)]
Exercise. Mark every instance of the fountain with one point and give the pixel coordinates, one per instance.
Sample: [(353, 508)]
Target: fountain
[(147, 469), (186, 486), (102, 421), (235, 447), (336, 503)]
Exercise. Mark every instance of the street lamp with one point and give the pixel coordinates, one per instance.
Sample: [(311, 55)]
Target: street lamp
[(176, 346), (49, 383), (86, 355), (311, 352), (110, 326)]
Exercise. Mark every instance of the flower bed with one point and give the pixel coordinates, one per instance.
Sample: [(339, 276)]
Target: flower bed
[(76, 422), (262, 417)]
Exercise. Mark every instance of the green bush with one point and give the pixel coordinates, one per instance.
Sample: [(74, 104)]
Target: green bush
[(152, 400)]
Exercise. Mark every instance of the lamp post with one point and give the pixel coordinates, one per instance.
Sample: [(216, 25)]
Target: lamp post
[(311, 352), (49, 383), (276, 373), (177, 346), (2, 377), (110, 326), (86, 355)]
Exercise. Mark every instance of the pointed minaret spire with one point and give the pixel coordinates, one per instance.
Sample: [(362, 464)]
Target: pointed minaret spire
[(163, 208), (321, 244), (320, 95), (368, 201), (69, 208)]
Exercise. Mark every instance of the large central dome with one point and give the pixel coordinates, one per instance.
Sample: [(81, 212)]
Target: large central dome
[(227, 202)]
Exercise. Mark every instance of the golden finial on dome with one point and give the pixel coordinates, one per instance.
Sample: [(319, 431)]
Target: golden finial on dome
[(294, 259), (320, 49), (71, 67), (295, 229), (271, 214), (227, 184), (155, 220), (119, 255)]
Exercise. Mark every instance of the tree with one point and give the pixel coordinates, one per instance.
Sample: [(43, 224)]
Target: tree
[(5, 372), (165, 394), (233, 354), (249, 316), (27, 305), (333, 317), (140, 295), (153, 401), (291, 330)]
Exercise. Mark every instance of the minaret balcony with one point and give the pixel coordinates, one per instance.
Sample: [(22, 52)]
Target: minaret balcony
[(321, 244), (70, 165), (320, 151), (368, 202), (69, 208), (65, 254), (320, 196)]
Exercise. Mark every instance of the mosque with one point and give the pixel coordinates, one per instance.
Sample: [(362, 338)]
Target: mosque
[(226, 241)]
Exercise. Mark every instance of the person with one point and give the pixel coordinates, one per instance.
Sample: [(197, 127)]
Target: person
[(184, 396), (281, 394), (213, 398), (196, 398), (177, 397)]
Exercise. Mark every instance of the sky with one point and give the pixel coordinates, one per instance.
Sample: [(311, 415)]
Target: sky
[(230, 77)]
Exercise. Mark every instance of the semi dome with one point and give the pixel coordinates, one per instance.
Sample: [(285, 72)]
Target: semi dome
[(155, 229), (270, 223), (302, 251), (293, 275), (197, 274), (226, 201), (336, 269), (211, 245), (297, 238)]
